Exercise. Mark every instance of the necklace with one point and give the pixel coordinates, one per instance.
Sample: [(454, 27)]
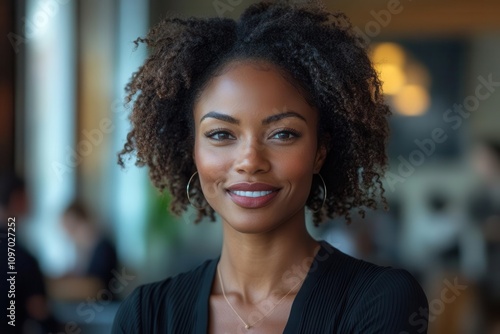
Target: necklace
[(248, 326)]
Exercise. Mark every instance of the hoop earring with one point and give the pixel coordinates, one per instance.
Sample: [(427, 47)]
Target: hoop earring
[(187, 191), (324, 194)]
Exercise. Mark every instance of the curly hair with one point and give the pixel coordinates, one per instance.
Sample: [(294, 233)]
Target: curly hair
[(316, 50)]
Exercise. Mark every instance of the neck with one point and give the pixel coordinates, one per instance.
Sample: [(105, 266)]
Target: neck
[(256, 266)]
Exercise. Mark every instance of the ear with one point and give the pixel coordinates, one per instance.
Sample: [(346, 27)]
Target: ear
[(320, 158)]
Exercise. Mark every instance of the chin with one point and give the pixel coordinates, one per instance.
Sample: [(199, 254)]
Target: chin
[(251, 223), (256, 221)]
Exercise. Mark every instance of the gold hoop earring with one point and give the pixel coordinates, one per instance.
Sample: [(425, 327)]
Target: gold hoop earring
[(187, 191), (324, 194)]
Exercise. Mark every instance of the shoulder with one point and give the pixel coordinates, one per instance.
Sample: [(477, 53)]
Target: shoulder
[(156, 302), (355, 275), (377, 299), (364, 276), (393, 302)]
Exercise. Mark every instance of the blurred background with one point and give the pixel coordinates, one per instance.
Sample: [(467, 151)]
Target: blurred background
[(89, 232)]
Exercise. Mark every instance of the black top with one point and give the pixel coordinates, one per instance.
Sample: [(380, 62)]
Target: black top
[(340, 294), (103, 261)]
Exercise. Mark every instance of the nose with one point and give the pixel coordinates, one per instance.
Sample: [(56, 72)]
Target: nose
[(252, 158)]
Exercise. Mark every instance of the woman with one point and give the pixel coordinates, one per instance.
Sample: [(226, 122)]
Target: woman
[(257, 120)]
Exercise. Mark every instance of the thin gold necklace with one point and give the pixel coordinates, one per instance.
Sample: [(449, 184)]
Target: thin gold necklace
[(248, 326)]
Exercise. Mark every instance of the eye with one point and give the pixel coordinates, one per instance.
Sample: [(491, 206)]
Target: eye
[(219, 135), (285, 135)]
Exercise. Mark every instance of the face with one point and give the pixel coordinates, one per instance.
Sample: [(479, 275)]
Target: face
[(255, 147), (75, 227), (70, 224), (485, 163)]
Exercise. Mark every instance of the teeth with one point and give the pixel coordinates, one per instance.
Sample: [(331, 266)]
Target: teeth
[(252, 193)]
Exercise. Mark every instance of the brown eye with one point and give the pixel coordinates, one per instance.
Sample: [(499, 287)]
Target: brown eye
[(285, 135), (219, 135)]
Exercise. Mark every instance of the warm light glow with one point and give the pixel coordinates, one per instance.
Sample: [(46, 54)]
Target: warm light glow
[(404, 79), (418, 74), (389, 53), (412, 100), (392, 77)]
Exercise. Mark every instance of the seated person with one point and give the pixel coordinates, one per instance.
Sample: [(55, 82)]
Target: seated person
[(95, 256)]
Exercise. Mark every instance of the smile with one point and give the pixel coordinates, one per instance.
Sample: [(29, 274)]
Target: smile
[(252, 199), (251, 193)]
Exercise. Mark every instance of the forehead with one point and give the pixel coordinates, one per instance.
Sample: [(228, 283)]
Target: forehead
[(250, 85)]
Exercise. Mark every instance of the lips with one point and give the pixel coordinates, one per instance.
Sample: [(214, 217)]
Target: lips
[(252, 195)]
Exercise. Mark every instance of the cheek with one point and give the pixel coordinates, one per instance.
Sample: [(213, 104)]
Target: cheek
[(212, 169), (297, 167), (298, 172), (298, 161)]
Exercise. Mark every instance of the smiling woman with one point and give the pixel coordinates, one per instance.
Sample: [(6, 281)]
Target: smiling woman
[(282, 112), (256, 161)]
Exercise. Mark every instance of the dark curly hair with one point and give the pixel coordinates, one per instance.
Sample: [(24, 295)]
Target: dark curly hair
[(315, 49)]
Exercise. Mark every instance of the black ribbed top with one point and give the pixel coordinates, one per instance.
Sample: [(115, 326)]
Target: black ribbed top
[(340, 294)]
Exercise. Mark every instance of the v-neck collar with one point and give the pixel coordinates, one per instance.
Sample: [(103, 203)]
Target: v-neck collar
[(315, 272)]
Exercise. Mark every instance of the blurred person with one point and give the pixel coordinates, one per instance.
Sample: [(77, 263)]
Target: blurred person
[(96, 255), (485, 209), (257, 120), (32, 311)]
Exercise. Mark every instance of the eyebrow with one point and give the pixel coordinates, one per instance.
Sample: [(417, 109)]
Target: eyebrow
[(266, 121), (219, 116), (277, 117)]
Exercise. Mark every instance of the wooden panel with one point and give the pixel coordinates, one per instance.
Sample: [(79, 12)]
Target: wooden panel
[(420, 17), (416, 18)]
